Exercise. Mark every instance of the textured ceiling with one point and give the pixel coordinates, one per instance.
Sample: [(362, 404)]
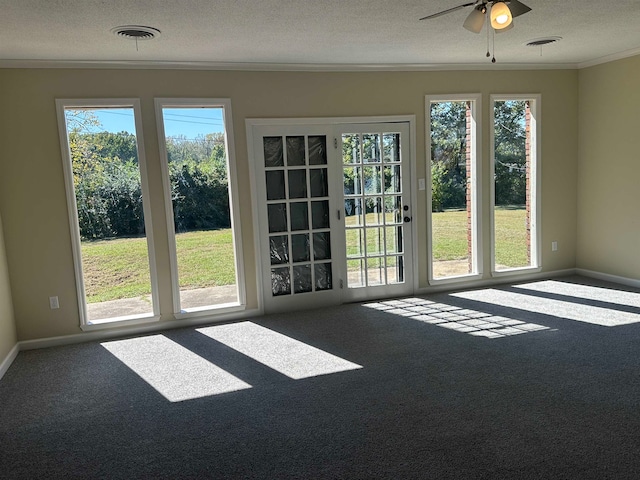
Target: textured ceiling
[(315, 33)]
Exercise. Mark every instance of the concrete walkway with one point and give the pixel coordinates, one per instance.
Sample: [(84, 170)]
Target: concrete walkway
[(198, 297)]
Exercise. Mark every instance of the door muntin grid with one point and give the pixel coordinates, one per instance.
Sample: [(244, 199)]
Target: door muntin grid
[(374, 209), (297, 194)]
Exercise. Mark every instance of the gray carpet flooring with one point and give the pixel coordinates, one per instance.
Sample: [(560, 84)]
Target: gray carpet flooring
[(529, 381)]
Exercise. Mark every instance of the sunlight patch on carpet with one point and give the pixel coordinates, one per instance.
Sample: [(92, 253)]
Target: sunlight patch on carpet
[(580, 312), (479, 324), (586, 292), (290, 357), (174, 371)]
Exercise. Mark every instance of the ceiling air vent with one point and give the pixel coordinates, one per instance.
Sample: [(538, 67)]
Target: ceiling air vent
[(540, 42), (136, 32)]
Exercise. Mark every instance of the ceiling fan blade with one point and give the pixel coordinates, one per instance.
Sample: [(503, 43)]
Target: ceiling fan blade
[(474, 21), (448, 10), (517, 8)]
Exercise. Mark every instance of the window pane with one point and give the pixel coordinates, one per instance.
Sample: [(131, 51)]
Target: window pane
[(198, 171), (452, 189), (108, 192), (319, 184), (513, 203), (323, 276)]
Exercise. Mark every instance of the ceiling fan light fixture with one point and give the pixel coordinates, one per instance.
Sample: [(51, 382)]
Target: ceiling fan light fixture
[(475, 20), (500, 16)]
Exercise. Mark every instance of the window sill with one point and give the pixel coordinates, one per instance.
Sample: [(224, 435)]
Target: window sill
[(210, 310), (515, 271), (117, 322), (455, 279)]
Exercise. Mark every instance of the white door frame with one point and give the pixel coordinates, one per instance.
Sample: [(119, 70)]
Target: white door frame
[(252, 123)]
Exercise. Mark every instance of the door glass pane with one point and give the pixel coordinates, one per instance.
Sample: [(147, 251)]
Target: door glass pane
[(355, 273), (108, 192), (319, 183), (299, 216), (355, 242), (277, 214), (392, 181), (351, 148), (297, 183), (371, 148), (273, 152), (279, 249), (375, 241), (353, 213), (300, 248), (295, 151), (320, 214), (275, 185), (323, 276), (394, 239), (302, 279), (280, 281), (372, 180), (195, 144), (321, 246), (317, 150), (375, 271), (391, 146)]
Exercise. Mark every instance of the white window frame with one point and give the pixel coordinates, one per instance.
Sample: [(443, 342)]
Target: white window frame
[(534, 178), (133, 103), (476, 169), (225, 104)]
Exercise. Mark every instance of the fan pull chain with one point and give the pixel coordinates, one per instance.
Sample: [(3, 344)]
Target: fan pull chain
[(493, 45), (488, 28)]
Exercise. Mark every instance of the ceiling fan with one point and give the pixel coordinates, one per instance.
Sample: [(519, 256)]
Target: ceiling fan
[(501, 14)]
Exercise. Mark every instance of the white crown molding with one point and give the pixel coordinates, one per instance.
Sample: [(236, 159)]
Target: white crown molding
[(278, 67), (610, 58)]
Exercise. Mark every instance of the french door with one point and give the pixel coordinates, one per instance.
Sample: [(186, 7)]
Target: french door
[(334, 214), (376, 224)]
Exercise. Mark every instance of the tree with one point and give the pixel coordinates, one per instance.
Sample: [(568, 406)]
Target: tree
[(448, 155), (510, 152)]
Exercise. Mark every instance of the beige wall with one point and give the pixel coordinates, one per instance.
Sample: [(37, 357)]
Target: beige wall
[(609, 169), (32, 188), (7, 326)]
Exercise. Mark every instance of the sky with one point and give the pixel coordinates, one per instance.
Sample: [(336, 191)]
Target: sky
[(188, 122)]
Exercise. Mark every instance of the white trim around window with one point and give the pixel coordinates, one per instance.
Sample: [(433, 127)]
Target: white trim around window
[(225, 105), (134, 104), (475, 100), (535, 185)]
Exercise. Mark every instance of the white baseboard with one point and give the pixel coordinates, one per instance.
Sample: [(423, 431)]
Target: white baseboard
[(134, 330), (631, 282), (6, 363), (500, 280)]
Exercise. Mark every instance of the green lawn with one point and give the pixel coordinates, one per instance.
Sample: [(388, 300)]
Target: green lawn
[(119, 268), (450, 236)]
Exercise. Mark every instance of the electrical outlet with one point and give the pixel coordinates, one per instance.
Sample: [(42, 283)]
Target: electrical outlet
[(554, 246), (54, 303)]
